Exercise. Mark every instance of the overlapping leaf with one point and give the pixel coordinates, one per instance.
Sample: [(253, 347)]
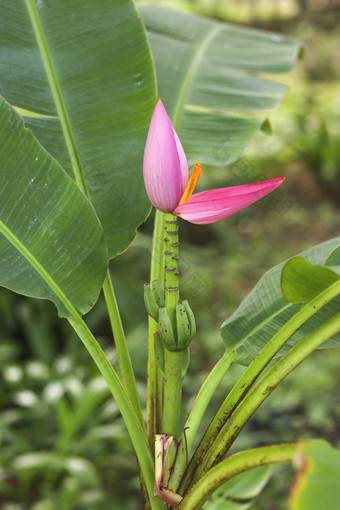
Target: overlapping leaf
[(264, 311), (207, 78), (302, 281), (94, 57), (239, 492), (51, 243)]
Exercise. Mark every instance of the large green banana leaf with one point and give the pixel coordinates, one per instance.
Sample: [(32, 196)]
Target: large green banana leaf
[(99, 67), (51, 242), (91, 57), (207, 75), (264, 311)]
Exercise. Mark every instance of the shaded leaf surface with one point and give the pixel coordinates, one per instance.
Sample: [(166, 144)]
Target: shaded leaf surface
[(239, 492), (203, 70), (102, 64), (51, 243), (264, 311), (303, 281)]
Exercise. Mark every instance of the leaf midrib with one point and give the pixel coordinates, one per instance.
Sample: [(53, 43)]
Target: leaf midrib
[(12, 238), (57, 95), (258, 326), (191, 71)]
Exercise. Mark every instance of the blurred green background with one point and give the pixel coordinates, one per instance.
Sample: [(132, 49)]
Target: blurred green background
[(62, 442)]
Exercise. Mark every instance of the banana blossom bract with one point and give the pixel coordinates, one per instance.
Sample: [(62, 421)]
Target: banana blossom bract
[(166, 177)]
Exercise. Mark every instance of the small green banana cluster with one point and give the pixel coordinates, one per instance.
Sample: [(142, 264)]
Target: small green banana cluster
[(179, 339), (168, 337), (185, 325)]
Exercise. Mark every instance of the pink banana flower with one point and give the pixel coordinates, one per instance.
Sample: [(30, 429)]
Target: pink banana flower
[(167, 182)]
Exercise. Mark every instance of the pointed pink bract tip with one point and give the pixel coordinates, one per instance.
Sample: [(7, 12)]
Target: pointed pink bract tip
[(218, 204), (279, 179), (165, 166)]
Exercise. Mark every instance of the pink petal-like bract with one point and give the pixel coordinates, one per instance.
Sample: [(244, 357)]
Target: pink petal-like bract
[(218, 204), (183, 162), (165, 167)]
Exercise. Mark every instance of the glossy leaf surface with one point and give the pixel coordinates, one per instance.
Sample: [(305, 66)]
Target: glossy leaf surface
[(239, 492), (94, 57), (206, 81), (51, 243), (264, 311), (302, 281)]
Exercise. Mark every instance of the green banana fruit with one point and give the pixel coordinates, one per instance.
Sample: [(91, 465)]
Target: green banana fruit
[(150, 302), (191, 318), (183, 327), (158, 292), (165, 329)]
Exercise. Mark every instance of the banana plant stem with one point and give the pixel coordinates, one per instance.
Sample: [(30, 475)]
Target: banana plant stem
[(172, 388), (172, 392), (154, 390), (264, 387), (233, 466), (136, 430), (154, 385), (124, 360), (197, 412), (252, 372)]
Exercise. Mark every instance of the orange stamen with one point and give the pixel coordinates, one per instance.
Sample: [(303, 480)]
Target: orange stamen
[(194, 178)]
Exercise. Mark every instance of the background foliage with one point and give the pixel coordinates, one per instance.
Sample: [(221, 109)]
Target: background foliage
[(46, 378)]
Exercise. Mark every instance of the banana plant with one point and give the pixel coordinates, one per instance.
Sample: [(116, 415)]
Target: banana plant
[(80, 82)]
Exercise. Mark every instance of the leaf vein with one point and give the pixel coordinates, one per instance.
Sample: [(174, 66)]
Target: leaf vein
[(57, 95)]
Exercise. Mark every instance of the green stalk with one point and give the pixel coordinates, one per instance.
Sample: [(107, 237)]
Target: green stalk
[(197, 412), (172, 392), (154, 389), (252, 372), (233, 466), (124, 360), (263, 388), (154, 385), (134, 427), (172, 389)]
